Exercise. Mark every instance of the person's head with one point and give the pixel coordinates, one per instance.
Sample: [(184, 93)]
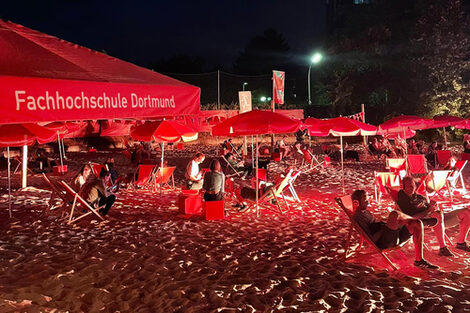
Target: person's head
[(199, 157), (452, 161), (229, 155), (84, 171), (360, 200), (215, 166), (110, 160), (409, 186), (104, 173), (434, 144)]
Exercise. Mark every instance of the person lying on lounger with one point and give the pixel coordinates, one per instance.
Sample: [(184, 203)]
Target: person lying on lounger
[(396, 230), (418, 207), (79, 180)]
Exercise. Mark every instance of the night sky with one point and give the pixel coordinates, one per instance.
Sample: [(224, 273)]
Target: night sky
[(143, 32)]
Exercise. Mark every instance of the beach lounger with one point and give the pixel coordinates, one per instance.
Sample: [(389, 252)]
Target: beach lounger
[(434, 183), (78, 201), (96, 168), (384, 180), (163, 177), (346, 204), (57, 192), (144, 177), (443, 157), (453, 179), (395, 164), (416, 164), (229, 167)]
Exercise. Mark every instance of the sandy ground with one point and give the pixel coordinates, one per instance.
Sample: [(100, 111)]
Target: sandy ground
[(146, 257)]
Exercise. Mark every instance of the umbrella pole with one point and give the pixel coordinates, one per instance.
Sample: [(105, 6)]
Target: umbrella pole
[(342, 163), (60, 151), (9, 183), (445, 138), (24, 170), (252, 153), (256, 187), (161, 167)]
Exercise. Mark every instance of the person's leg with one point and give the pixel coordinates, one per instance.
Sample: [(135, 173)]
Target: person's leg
[(416, 229), (462, 217), (439, 228), (107, 202)]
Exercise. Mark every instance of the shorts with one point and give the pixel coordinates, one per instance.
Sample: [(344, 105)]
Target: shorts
[(393, 237)]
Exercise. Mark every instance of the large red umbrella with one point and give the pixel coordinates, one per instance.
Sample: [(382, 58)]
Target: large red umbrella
[(256, 122), (166, 131), (465, 124), (446, 121), (62, 128), (20, 135), (314, 127), (403, 122)]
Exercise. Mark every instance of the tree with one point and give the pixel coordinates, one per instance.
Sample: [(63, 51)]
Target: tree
[(180, 64), (263, 53), (442, 60)]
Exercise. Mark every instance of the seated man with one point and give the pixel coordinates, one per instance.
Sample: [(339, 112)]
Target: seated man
[(418, 207), (194, 178), (395, 231), (96, 195), (239, 166)]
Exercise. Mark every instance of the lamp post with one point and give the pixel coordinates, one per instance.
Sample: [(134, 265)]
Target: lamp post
[(243, 86), (316, 58)]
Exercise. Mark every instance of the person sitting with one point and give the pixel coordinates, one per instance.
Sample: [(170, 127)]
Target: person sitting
[(283, 147), (396, 230), (239, 166), (375, 147), (412, 149), (431, 154), (214, 182), (454, 171), (466, 143), (416, 206), (115, 179), (80, 179), (43, 161), (194, 176), (247, 193), (95, 192)]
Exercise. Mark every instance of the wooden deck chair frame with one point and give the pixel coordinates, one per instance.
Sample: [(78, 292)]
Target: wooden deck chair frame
[(274, 194), (78, 200), (17, 159), (166, 178), (395, 164), (422, 170), (227, 166), (459, 177), (291, 188), (149, 183), (379, 185), (345, 203), (310, 165), (57, 192), (436, 180), (96, 168)]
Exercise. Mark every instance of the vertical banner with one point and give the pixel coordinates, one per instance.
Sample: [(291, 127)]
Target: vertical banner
[(244, 98), (278, 86)]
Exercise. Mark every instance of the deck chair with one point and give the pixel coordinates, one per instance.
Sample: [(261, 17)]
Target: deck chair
[(434, 183), (79, 201), (57, 192), (454, 179), (416, 164), (443, 157), (262, 177), (310, 161), (270, 199), (291, 181), (96, 168), (163, 176), (229, 167), (144, 177), (384, 180), (465, 156), (346, 204), (395, 164)]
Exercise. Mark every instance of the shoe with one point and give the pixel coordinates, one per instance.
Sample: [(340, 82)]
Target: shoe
[(236, 205), (463, 246), (425, 264), (243, 208), (444, 251)]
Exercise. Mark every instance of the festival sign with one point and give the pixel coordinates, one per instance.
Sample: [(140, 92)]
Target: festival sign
[(278, 86), (245, 101)]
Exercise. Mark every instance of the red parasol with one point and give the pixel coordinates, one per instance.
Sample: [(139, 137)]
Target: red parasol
[(446, 121), (403, 122), (256, 122), (166, 131), (24, 134)]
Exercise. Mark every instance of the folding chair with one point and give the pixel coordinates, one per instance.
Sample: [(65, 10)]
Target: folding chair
[(310, 161), (383, 180), (78, 200), (395, 164), (262, 177), (291, 181), (56, 192), (453, 179), (433, 183), (465, 156), (163, 175), (96, 168), (275, 192), (144, 177), (346, 204), (229, 166), (443, 157), (416, 164)]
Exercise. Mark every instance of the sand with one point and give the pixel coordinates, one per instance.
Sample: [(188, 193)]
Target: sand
[(147, 257)]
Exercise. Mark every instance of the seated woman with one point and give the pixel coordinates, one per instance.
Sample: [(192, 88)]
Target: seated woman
[(79, 180), (239, 166), (247, 193), (214, 182)]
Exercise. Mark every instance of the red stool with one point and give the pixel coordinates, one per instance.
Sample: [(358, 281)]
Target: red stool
[(189, 202), (214, 210)]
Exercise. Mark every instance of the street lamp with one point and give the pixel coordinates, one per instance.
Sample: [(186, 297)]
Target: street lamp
[(316, 58), (263, 99), (243, 86)]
